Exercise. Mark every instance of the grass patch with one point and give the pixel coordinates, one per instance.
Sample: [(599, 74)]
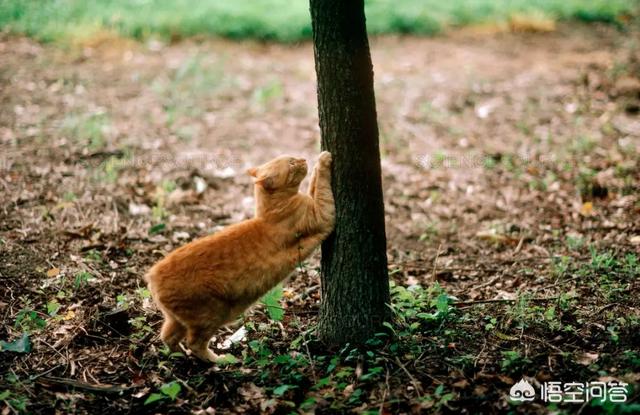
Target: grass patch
[(278, 20), (89, 129)]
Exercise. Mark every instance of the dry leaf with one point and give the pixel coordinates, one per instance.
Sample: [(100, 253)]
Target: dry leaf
[(138, 209), (587, 358), (251, 392), (506, 379), (179, 236), (288, 293), (480, 390), (586, 209), (200, 183), (179, 197), (461, 384), (492, 236), (53, 272), (411, 280)]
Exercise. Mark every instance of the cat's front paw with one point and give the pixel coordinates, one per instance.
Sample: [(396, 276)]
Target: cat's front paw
[(324, 159)]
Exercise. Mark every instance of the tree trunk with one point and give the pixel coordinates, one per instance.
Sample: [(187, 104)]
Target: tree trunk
[(355, 283)]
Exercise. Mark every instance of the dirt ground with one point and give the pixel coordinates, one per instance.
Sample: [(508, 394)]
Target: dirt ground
[(510, 171)]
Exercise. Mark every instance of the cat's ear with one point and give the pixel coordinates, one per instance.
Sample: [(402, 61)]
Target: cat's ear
[(267, 182)]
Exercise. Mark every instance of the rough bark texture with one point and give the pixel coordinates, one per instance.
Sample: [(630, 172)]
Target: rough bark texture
[(355, 285)]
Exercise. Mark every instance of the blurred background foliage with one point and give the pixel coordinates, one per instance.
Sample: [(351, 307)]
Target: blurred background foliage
[(284, 20)]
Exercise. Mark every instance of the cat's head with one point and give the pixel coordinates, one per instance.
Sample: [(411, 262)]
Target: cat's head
[(284, 172)]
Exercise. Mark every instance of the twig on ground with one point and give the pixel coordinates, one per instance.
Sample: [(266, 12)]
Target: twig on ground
[(82, 385), (604, 307), (500, 300), (413, 380), (484, 346), (385, 391), (519, 247), (46, 372), (546, 343), (484, 284)]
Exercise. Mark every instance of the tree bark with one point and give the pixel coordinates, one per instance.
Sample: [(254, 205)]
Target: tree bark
[(355, 282)]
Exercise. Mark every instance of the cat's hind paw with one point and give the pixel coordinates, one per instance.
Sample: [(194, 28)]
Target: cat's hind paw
[(205, 355)]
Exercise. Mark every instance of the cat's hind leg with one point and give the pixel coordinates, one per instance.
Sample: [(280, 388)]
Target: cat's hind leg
[(202, 323), (172, 332), (198, 341)]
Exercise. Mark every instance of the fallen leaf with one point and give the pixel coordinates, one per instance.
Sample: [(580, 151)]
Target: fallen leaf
[(586, 209), (411, 280), (160, 227), (179, 196), (200, 183), (503, 336), (461, 384), (236, 337), (287, 293), (634, 240), (250, 391), (506, 379), (227, 359), (492, 236), (138, 209), (180, 235), (53, 272), (587, 358), (480, 390), (143, 392), (22, 345)]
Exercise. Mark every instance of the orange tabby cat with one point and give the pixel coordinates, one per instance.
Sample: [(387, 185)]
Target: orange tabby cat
[(210, 281)]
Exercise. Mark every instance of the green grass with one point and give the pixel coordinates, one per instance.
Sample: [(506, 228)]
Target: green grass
[(280, 20)]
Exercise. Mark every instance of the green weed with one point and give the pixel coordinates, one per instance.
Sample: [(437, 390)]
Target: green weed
[(513, 362), (159, 211), (439, 398), (82, 279), (431, 231), (141, 329), (267, 93), (88, 129), (271, 301), (194, 79), (29, 320), (69, 197), (15, 402), (274, 19), (169, 391), (574, 243), (109, 170)]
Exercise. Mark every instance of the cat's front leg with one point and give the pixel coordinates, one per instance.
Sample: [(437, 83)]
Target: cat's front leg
[(323, 210), (314, 180)]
